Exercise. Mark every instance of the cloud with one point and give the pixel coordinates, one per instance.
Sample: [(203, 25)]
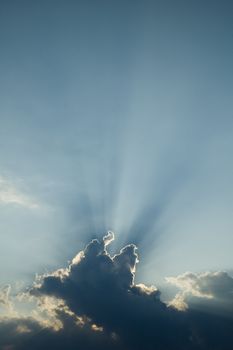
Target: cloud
[(205, 285), (4, 296), (9, 194), (29, 334), (6, 304), (213, 290), (94, 303), (178, 302)]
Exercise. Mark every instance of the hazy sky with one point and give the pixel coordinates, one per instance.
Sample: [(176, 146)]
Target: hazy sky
[(116, 115)]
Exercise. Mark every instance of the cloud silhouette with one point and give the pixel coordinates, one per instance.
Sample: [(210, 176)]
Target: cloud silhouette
[(94, 303)]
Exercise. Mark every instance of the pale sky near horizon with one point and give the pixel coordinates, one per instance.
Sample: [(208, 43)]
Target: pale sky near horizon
[(116, 115)]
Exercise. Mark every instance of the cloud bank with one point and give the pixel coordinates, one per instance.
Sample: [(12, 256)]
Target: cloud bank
[(94, 303)]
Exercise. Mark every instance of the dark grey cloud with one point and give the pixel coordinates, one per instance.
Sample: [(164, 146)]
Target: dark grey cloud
[(99, 306), (102, 288), (25, 334)]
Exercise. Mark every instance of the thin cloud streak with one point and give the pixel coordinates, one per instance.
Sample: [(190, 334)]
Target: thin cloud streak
[(11, 195)]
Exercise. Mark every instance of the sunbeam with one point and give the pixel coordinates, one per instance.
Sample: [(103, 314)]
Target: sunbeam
[(116, 116)]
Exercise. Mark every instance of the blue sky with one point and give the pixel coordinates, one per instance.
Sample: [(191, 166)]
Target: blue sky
[(116, 115)]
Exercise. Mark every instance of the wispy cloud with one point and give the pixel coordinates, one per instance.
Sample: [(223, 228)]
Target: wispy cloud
[(11, 194)]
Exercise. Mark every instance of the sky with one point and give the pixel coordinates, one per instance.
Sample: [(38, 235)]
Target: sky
[(117, 116)]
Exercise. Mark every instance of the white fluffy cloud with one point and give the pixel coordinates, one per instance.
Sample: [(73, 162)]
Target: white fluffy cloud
[(213, 289)]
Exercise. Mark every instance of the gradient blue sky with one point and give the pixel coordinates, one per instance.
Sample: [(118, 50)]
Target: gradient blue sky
[(116, 115)]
